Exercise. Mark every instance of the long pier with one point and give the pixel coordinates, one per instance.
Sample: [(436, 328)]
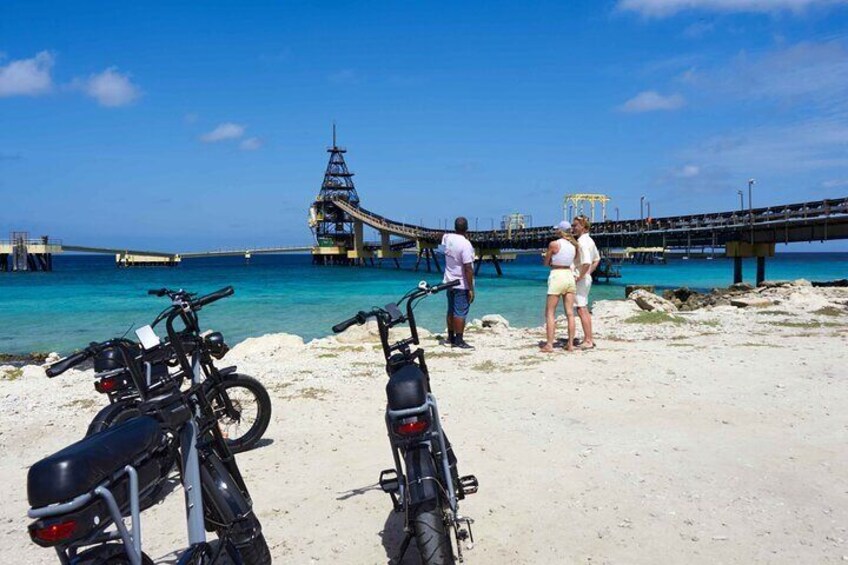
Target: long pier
[(751, 233), (20, 253), (338, 222)]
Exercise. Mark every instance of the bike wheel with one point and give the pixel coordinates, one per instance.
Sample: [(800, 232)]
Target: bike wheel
[(431, 535), (111, 415), (252, 404), (248, 547), (119, 413), (108, 554)]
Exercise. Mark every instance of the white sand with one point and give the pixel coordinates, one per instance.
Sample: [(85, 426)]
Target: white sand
[(717, 440)]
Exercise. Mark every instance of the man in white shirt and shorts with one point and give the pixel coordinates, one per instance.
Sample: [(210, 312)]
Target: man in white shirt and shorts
[(459, 266), (587, 261)]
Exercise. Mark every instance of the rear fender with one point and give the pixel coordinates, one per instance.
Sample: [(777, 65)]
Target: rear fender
[(421, 476)]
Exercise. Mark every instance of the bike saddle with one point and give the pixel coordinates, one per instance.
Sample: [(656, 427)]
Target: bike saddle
[(80, 467), (406, 388)]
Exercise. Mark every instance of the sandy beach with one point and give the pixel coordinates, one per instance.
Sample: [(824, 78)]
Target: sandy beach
[(712, 436)]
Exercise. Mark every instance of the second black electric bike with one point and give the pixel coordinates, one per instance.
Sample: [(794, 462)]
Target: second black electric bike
[(424, 483), (240, 402)]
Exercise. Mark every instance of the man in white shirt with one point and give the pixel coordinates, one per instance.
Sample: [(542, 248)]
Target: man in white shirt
[(587, 261), (459, 266)]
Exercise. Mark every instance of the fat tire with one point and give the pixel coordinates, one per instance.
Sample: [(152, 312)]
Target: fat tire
[(108, 554), (116, 413), (431, 535), (255, 551), (263, 402)]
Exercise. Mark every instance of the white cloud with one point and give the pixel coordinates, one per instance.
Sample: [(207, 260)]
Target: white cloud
[(808, 72), (27, 77), (651, 101), (814, 144), (110, 88), (223, 132), (835, 183), (698, 29), (689, 171), (251, 144), (665, 8), (191, 118)]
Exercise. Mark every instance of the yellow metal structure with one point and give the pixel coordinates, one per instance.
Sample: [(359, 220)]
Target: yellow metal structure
[(576, 205)]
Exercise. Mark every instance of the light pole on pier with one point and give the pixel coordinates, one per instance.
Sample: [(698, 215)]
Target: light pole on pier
[(649, 208), (616, 213), (751, 183), (741, 199), (642, 207)]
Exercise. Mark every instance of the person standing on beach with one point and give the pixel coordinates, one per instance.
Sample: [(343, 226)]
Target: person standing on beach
[(459, 266), (560, 258), (587, 261)]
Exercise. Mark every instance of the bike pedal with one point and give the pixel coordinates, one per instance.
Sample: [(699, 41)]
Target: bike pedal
[(389, 482), (468, 484)]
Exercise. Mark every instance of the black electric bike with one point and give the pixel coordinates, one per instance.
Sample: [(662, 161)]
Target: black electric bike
[(240, 402), (78, 494), (424, 483)]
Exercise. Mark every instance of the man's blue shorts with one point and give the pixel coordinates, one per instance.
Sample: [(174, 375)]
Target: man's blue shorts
[(458, 303)]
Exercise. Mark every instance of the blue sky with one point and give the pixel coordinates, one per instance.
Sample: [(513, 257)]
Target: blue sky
[(180, 126)]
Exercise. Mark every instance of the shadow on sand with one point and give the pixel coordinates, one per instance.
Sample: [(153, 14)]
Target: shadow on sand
[(358, 491), (264, 442), (392, 537)]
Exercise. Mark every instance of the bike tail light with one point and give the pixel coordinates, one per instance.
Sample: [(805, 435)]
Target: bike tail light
[(55, 533), (412, 426), (104, 386)]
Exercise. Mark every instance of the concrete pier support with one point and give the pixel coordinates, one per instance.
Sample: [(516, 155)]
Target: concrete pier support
[(495, 256), (739, 250), (20, 253), (137, 260), (426, 251), (386, 251)]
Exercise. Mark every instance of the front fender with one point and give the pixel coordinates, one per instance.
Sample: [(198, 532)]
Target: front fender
[(222, 497)]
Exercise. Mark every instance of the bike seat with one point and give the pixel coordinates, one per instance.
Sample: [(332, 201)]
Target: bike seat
[(83, 465), (406, 388)]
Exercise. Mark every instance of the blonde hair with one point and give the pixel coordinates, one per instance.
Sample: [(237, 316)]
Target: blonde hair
[(584, 221), (566, 235)]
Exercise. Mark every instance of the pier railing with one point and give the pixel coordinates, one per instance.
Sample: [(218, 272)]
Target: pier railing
[(771, 223)]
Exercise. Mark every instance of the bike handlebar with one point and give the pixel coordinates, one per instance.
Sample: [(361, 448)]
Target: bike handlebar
[(63, 365), (444, 286), (212, 297), (358, 319), (158, 292), (361, 317)]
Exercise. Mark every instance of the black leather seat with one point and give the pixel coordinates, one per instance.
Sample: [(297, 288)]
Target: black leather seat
[(406, 388), (81, 466)]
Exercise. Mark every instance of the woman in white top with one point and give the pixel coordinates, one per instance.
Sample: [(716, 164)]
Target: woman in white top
[(560, 258)]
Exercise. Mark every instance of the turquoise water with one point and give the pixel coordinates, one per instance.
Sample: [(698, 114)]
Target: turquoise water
[(86, 298)]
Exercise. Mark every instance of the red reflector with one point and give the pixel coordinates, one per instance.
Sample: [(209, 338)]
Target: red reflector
[(56, 532), (106, 385), (412, 428)]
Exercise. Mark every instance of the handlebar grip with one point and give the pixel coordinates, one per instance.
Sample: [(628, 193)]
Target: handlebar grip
[(445, 286), (217, 295), (158, 291), (63, 365), (342, 326)]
